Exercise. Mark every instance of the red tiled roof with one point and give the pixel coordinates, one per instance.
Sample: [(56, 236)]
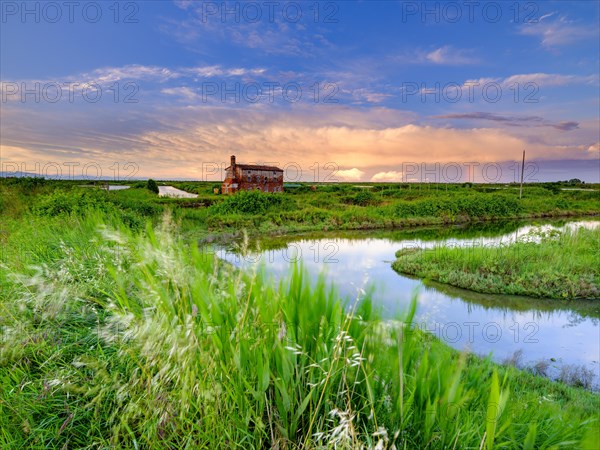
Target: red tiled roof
[(251, 167)]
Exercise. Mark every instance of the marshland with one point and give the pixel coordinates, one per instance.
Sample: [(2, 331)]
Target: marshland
[(257, 320)]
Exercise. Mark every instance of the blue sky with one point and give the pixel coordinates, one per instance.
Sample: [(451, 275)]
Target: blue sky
[(364, 91)]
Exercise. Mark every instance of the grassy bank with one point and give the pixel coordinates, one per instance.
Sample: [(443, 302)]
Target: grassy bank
[(328, 207), (553, 265), (115, 335)]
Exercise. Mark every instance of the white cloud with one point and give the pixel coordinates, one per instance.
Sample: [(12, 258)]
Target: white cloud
[(133, 71), (448, 55), (107, 75), (555, 32), (540, 79), (215, 71), (183, 92), (353, 174), (270, 35), (370, 96), (549, 79), (391, 175)]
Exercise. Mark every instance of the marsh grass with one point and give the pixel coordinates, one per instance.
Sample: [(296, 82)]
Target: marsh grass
[(125, 339), (557, 265), (331, 206)]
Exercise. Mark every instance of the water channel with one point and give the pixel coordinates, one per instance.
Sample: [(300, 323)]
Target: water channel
[(550, 333)]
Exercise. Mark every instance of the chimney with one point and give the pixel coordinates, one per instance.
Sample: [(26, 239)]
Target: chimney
[(233, 163)]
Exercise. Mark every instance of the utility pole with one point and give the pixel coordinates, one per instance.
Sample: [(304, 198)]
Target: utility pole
[(522, 173)]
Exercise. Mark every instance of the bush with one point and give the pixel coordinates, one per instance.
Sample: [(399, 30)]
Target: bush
[(552, 187), (479, 205), (250, 202), (152, 186), (61, 202), (363, 198)]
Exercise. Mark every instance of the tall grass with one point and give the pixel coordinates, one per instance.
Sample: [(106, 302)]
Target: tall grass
[(557, 265), (123, 339), (334, 206)]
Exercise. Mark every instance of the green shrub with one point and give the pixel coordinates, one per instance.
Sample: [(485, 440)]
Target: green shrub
[(250, 202), (479, 205), (152, 186), (63, 202), (363, 198), (552, 187)]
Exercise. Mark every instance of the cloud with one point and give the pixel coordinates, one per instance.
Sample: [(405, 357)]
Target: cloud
[(190, 137), (273, 29), (548, 79), (171, 139), (448, 55), (391, 176), (353, 174), (370, 96), (162, 74), (128, 72), (539, 79), (445, 55), (218, 71), (558, 31), (513, 121), (183, 92)]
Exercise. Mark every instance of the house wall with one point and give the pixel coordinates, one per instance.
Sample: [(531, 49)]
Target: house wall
[(249, 179)]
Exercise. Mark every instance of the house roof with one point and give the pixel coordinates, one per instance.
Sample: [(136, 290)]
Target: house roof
[(252, 167)]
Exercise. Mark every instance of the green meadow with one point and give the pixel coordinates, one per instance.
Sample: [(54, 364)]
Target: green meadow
[(339, 206), (119, 331)]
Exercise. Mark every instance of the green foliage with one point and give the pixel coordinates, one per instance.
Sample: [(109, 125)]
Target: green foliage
[(152, 186), (250, 202), (330, 206), (364, 198), (124, 339), (473, 205), (68, 202), (139, 185), (552, 187), (563, 266)]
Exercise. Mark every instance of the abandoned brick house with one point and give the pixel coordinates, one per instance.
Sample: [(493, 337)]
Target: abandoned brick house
[(246, 177)]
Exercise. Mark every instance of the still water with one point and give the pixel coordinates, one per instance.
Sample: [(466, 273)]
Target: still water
[(553, 333), (170, 191)]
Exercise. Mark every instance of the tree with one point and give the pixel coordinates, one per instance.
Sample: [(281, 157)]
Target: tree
[(152, 186)]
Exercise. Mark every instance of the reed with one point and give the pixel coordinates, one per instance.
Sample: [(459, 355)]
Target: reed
[(119, 338), (554, 265)]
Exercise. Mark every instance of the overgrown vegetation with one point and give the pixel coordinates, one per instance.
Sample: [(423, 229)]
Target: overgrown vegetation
[(250, 202), (152, 186), (131, 338), (550, 265), (328, 207)]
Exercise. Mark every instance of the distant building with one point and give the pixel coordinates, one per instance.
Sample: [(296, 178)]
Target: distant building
[(246, 177)]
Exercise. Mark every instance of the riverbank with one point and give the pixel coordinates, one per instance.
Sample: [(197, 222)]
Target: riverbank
[(328, 207), (549, 265), (114, 336)]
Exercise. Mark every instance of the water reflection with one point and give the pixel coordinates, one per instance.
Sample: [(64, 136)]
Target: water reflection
[(170, 191), (554, 331)]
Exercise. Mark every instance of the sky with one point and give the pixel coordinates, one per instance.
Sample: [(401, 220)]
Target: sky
[(329, 91)]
